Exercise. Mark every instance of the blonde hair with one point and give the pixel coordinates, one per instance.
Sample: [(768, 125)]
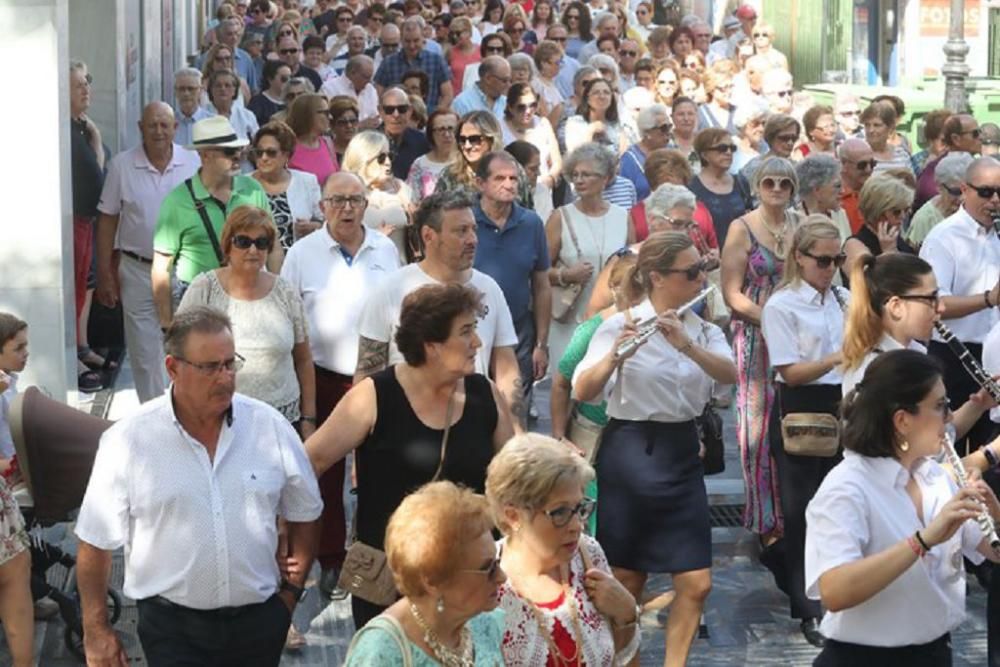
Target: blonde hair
[(525, 472), (429, 532), (880, 193), (624, 291), (361, 151), (814, 228), (658, 253)]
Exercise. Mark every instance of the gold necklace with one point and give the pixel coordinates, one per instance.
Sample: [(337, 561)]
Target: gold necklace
[(463, 657), (777, 234), (574, 615)]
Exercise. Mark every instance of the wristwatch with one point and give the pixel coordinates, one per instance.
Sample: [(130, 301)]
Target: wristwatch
[(296, 591)]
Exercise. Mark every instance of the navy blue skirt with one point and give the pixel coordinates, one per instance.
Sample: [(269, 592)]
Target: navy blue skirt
[(653, 510)]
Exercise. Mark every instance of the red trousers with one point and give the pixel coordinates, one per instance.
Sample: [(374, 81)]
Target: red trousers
[(83, 251), (330, 388)]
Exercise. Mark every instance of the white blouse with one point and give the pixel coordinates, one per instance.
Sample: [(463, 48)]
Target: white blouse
[(853, 376), (800, 325), (862, 509), (657, 383), (523, 644)]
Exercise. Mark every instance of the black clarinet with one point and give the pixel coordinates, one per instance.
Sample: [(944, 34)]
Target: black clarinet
[(995, 217), (969, 363)]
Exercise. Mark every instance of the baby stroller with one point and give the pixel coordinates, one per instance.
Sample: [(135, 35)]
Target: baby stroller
[(55, 446)]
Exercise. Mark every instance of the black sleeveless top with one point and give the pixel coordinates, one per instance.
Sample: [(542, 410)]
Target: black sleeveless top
[(869, 239), (401, 453)]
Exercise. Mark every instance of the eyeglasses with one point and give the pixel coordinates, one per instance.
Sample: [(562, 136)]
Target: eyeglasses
[(346, 121), (724, 148), (232, 152), (785, 93), (863, 165), (676, 223), (932, 300), (770, 183), (242, 242), (942, 407), (393, 109), (849, 112), (387, 46), (344, 19), (691, 273), (471, 139), (760, 34), (627, 54), (584, 175), (954, 192), (974, 133), (381, 158), (491, 571), (666, 128), (561, 516), (288, 52), (341, 201), (268, 152), (494, 49), (985, 191), (557, 40), (214, 367), (521, 108), (824, 261)]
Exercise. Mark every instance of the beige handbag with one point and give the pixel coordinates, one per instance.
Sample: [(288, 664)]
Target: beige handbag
[(366, 572), (585, 434), (564, 297), (810, 434)]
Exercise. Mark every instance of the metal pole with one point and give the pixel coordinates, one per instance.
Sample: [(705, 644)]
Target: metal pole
[(955, 70)]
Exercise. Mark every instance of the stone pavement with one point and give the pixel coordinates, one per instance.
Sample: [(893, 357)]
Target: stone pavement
[(746, 616)]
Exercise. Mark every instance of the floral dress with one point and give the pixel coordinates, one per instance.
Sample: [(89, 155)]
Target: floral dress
[(13, 538), (755, 395)]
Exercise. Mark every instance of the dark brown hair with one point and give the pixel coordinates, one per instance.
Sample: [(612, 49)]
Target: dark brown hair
[(10, 326), (427, 315)]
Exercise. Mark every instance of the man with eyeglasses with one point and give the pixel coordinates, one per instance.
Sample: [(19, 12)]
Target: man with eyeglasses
[(187, 103), (415, 57), (405, 143), (961, 134), (490, 92), (857, 163), (229, 32), (568, 65), (777, 89), (356, 82), (290, 53), (388, 44), (628, 56), (653, 123), (137, 182), (190, 485), (355, 46), (335, 271), (190, 220)]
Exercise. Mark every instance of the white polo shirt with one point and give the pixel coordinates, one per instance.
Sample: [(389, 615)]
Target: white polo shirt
[(200, 533), (380, 317), (965, 257), (134, 190), (367, 98), (800, 324), (335, 291)]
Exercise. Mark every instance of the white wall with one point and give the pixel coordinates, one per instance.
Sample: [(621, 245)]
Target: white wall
[(922, 53)]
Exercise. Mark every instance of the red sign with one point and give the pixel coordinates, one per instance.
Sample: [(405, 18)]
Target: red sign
[(935, 15)]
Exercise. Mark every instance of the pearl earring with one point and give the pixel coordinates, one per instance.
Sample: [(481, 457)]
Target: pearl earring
[(440, 605), (904, 446)]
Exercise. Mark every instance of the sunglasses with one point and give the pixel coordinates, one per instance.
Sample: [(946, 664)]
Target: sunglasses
[(770, 183), (864, 165), (526, 107), (471, 139), (490, 571), (627, 54), (954, 192), (232, 152), (666, 128), (973, 133), (786, 138), (824, 261), (931, 300), (724, 148), (268, 152), (262, 243), (393, 109), (691, 273), (288, 52), (381, 158), (985, 191), (494, 49)]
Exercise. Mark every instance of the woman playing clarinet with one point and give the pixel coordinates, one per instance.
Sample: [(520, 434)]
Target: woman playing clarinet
[(802, 324), (887, 529)]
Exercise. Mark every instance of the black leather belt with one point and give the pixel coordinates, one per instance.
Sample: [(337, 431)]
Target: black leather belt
[(136, 257), (227, 612)]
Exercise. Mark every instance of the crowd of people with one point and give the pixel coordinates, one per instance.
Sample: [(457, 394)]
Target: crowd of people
[(363, 232)]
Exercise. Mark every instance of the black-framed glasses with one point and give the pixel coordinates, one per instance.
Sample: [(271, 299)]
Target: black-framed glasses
[(666, 128), (231, 152), (824, 261), (266, 152), (691, 273), (724, 148), (985, 191), (393, 109), (521, 108), (470, 139), (933, 299), (954, 192), (341, 201), (346, 121), (288, 52), (381, 158), (863, 165), (232, 365), (974, 133), (561, 516), (786, 138), (491, 571), (242, 242)]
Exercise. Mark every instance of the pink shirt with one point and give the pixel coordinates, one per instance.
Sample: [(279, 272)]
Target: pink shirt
[(458, 61), (319, 161)]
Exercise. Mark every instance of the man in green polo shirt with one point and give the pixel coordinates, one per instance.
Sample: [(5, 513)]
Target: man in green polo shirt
[(182, 241)]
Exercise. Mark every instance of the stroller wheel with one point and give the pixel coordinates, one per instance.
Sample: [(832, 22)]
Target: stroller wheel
[(114, 606)]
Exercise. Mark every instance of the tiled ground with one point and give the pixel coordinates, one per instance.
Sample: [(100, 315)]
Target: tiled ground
[(746, 616)]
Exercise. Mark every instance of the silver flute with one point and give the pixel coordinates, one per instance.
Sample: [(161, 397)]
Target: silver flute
[(984, 519), (648, 327), (972, 367)]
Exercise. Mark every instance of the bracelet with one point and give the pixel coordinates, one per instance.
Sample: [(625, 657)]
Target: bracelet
[(921, 540), (911, 541), (686, 347), (986, 299), (559, 277), (635, 621), (307, 418)]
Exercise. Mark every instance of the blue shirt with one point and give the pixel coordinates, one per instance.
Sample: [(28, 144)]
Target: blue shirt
[(564, 80), (244, 66), (474, 99), (512, 255), (393, 67), (631, 168), (185, 124)]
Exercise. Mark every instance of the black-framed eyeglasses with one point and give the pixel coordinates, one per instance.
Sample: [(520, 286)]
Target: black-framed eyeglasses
[(288, 52), (724, 148), (691, 273), (824, 261), (561, 516), (346, 121), (954, 192), (393, 109), (341, 201), (666, 128), (933, 299), (521, 108), (985, 191), (232, 365), (242, 242), (491, 571), (470, 139), (381, 158), (974, 133), (266, 152)]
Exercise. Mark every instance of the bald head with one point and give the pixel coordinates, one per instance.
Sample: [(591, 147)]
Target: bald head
[(494, 76), (984, 170), (157, 127), (856, 158), (854, 149)]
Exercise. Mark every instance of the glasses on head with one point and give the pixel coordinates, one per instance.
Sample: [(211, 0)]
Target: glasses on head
[(771, 183), (691, 273), (824, 261), (984, 191), (381, 158), (561, 516), (521, 108), (288, 52), (394, 109), (724, 148), (933, 299), (266, 152), (491, 571), (470, 139), (242, 242), (342, 201), (232, 365)]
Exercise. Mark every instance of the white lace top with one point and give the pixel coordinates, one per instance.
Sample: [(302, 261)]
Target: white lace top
[(524, 645)]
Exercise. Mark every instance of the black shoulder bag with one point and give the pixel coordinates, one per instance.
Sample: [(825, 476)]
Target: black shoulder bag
[(209, 229)]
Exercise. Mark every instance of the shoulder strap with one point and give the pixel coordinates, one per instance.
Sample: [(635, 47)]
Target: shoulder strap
[(743, 187), (572, 232), (209, 229), (746, 225), (447, 432), (390, 626)]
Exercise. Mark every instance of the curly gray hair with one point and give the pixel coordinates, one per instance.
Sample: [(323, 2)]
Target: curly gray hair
[(602, 157), (668, 197), (952, 167), (816, 171)]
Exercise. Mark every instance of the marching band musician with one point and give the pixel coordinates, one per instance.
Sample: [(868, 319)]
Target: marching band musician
[(648, 465), (887, 530), (802, 324), (964, 250)]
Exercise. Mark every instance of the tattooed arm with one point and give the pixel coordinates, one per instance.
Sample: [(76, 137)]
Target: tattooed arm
[(373, 356), (508, 379)]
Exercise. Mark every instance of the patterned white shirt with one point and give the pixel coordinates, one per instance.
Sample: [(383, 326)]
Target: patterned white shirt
[(199, 532)]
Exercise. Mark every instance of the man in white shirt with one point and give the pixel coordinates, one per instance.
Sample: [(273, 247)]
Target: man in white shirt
[(190, 485), (355, 46), (964, 251), (447, 229), (356, 82), (188, 110), (389, 41), (490, 92), (138, 179), (336, 270)]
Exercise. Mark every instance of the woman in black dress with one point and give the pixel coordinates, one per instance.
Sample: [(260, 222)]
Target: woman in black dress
[(395, 421), (884, 202)]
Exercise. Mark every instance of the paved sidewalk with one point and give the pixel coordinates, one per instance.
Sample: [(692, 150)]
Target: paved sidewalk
[(747, 617)]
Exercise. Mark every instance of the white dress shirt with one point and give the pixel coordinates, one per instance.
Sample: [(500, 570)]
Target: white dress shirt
[(861, 509), (380, 317), (800, 325), (854, 375), (367, 98), (334, 291), (134, 190), (199, 532), (966, 261), (657, 383), (991, 360)]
